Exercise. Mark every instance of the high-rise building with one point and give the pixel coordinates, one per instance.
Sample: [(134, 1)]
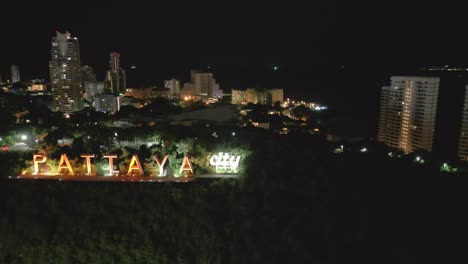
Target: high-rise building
[(276, 95), (255, 96), (187, 92), (107, 103), (65, 73), (15, 74), (116, 76), (94, 88), (407, 113), (192, 75), (173, 85), (202, 87), (463, 143), (87, 73), (204, 83)]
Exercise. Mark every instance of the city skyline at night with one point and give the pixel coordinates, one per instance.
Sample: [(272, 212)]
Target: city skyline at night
[(228, 132)]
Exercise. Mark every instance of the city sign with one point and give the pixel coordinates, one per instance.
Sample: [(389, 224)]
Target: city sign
[(223, 163), (134, 168)]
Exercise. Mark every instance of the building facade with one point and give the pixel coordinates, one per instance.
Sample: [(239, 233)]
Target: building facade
[(408, 110), (173, 85), (255, 96), (65, 73), (93, 89), (107, 103), (204, 84), (463, 143), (87, 73), (15, 74), (116, 76), (202, 87)]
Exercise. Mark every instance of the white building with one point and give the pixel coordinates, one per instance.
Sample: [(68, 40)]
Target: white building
[(65, 74), (407, 113), (173, 85), (15, 74)]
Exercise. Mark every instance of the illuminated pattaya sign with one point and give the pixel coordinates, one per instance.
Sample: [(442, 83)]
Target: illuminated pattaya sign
[(223, 163), (134, 168)]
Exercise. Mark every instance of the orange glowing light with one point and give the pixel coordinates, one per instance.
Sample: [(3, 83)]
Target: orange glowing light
[(88, 162), (38, 158), (64, 163), (135, 165), (186, 166)]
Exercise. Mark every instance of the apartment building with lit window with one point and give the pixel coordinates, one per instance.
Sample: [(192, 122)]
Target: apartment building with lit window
[(65, 73), (408, 110)]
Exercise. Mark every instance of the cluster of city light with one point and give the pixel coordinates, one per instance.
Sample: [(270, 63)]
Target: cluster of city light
[(339, 150), (445, 167), (313, 106), (418, 159), (445, 68)]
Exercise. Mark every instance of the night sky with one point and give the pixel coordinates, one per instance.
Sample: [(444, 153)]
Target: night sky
[(332, 51)]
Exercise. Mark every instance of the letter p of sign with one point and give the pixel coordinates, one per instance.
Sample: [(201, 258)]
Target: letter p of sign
[(38, 158)]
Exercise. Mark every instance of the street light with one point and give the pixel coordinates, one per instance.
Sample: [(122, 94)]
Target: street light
[(24, 137)]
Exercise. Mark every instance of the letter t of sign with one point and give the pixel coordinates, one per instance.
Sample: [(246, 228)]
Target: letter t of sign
[(88, 162)]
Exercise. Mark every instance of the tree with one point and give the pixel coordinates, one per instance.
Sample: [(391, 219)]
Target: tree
[(302, 112)]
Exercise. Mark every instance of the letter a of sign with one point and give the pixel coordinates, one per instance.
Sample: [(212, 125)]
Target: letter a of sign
[(135, 165), (65, 164), (186, 166), (38, 158)]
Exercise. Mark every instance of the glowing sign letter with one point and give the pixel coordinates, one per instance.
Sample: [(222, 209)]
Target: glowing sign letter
[(65, 164), (88, 162), (38, 158), (186, 166), (135, 165), (111, 163), (161, 164), (225, 162)]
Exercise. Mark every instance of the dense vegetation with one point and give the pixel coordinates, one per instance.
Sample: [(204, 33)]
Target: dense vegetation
[(295, 202)]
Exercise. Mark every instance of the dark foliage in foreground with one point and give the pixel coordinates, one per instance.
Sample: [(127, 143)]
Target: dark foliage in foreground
[(296, 203)]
